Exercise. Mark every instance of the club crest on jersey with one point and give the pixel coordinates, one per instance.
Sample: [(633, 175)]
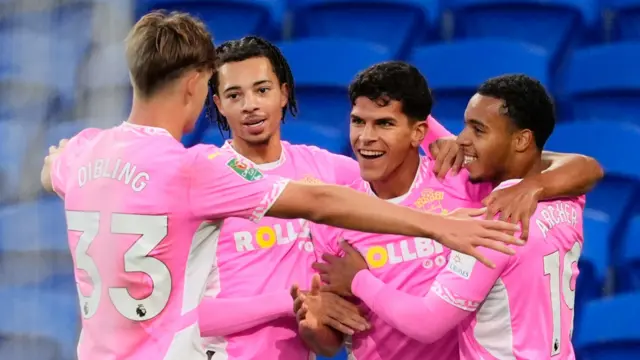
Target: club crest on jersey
[(243, 169), (461, 264), (431, 201)]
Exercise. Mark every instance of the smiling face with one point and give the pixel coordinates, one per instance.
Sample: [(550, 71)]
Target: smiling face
[(251, 98), (383, 137), (487, 138)]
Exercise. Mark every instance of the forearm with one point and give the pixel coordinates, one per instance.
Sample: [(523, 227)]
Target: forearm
[(221, 317), (425, 319), (567, 175), (323, 341)]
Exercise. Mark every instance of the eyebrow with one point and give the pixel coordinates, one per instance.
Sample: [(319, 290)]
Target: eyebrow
[(237, 87), (477, 123)]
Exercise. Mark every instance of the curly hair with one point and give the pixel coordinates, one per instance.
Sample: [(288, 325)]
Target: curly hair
[(526, 103), (394, 80), (250, 47)]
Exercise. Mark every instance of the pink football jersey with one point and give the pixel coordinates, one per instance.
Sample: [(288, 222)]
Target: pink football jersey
[(407, 264), (522, 309), (134, 198), (253, 260)]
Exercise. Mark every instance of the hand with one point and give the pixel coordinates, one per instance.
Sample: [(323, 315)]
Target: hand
[(448, 156), (516, 204), (324, 308), (45, 174), (338, 272), (461, 233)]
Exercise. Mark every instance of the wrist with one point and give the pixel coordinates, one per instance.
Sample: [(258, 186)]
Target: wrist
[(536, 187)]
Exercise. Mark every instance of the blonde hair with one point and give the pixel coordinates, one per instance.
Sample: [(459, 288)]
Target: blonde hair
[(162, 46)]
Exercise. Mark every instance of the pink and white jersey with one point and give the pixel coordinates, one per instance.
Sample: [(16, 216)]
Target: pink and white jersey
[(134, 198), (407, 264), (522, 309), (254, 260)]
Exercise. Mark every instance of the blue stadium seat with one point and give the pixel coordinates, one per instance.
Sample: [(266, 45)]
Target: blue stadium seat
[(15, 140), (626, 23), (33, 242), (104, 85), (212, 136), (228, 19), (455, 70), (608, 142), (454, 125), (298, 131), (47, 315), (609, 329), (323, 69), (602, 82), (397, 24), (342, 355), (628, 266), (595, 258), (553, 24)]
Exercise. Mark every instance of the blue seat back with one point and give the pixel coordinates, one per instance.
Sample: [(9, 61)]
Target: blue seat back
[(396, 24), (549, 24), (455, 70), (609, 329), (602, 82), (228, 19), (298, 131), (322, 95), (626, 20)]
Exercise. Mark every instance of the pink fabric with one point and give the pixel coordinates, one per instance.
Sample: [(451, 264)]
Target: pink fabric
[(406, 264), (134, 200), (254, 261)]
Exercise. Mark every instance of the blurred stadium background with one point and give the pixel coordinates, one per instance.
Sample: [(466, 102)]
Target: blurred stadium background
[(62, 69)]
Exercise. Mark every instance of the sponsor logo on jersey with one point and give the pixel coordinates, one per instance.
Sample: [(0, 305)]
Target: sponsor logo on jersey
[(308, 179), (431, 201), (244, 170), (213, 156), (461, 264)]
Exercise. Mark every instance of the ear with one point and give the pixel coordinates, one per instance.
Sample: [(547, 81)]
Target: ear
[(284, 94), (418, 133), (523, 140), (191, 83)]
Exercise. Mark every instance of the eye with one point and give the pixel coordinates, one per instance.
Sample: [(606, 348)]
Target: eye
[(263, 90), (356, 121), (232, 96)]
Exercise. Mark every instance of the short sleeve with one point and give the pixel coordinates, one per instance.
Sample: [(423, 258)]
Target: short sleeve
[(435, 131), (325, 239), (465, 282), (222, 185), (346, 169), (61, 167)]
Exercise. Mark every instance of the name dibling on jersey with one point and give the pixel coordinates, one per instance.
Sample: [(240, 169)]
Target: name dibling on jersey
[(552, 215), (113, 169)]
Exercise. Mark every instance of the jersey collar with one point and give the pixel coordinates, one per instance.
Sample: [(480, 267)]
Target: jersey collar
[(143, 129), (264, 167)]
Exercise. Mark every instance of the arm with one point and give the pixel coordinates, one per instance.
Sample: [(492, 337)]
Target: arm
[(567, 175), (221, 317), (435, 131), (458, 290)]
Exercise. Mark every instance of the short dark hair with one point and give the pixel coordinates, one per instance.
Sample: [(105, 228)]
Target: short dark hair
[(394, 80), (250, 47), (526, 103)]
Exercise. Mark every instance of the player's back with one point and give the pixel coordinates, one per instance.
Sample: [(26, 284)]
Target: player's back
[(528, 314), (132, 240)]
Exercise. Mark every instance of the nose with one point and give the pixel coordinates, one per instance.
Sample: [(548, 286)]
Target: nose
[(463, 138), (368, 134), (250, 103)]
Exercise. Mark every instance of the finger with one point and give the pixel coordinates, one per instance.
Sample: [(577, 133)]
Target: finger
[(352, 321), (297, 303), (488, 200), (484, 260), (496, 245), (63, 143), (492, 211), (327, 280), (457, 164), (294, 291), (447, 163), (524, 225), (338, 326), (316, 284), (301, 314), (473, 212), (52, 149), (347, 248), (320, 267), (434, 149), (328, 258), (498, 225), (505, 215), (502, 237)]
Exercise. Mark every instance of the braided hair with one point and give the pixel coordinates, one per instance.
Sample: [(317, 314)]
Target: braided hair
[(246, 48)]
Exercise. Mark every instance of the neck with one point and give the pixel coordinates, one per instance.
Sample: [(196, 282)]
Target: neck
[(522, 167), (265, 153), (399, 181), (157, 113)]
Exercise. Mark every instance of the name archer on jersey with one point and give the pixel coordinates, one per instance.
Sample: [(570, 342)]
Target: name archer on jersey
[(114, 169), (552, 215)]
